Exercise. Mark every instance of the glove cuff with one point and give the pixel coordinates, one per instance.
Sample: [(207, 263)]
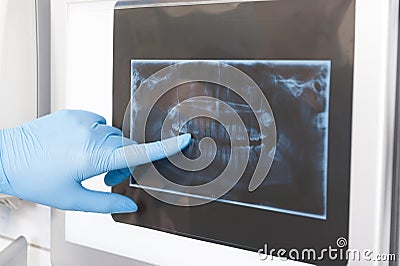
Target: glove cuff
[(4, 184)]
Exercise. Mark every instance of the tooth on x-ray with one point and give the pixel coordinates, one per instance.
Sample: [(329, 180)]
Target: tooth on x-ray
[(298, 94)]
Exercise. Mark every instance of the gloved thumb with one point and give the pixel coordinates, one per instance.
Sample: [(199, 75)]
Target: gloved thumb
[(137, 154)]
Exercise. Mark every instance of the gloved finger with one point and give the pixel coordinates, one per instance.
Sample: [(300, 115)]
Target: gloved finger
[(115, 177), (137, 154), (114, 142), (103, 202), (90, 117)]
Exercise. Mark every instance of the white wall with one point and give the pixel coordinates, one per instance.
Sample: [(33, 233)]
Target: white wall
[(17, 62)]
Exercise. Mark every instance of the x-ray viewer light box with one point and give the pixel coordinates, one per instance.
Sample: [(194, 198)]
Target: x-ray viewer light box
[(88, 77), (307, 82)]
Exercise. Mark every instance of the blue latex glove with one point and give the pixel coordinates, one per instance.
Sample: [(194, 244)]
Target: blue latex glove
[(46, 160)]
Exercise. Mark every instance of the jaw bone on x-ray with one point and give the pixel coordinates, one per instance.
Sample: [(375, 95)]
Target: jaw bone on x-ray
[(298, 96)]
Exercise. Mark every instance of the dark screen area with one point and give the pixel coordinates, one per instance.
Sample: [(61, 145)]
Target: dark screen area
[(278, 30)]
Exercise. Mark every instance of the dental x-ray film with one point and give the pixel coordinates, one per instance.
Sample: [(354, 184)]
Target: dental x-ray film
[(294, 140)]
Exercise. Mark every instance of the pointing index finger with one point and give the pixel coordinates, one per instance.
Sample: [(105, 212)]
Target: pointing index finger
[(137, 154)]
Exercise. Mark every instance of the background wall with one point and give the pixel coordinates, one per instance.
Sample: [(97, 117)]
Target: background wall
[(18, 69), (18, 104)]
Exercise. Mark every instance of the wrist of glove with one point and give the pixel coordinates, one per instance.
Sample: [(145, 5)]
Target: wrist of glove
[(4, 185), (45, 161)]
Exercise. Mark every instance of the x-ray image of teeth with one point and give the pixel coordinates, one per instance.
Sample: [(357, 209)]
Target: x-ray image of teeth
[(298, 94)]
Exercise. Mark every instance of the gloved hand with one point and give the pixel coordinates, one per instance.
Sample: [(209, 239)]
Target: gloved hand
[(46, 160)]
